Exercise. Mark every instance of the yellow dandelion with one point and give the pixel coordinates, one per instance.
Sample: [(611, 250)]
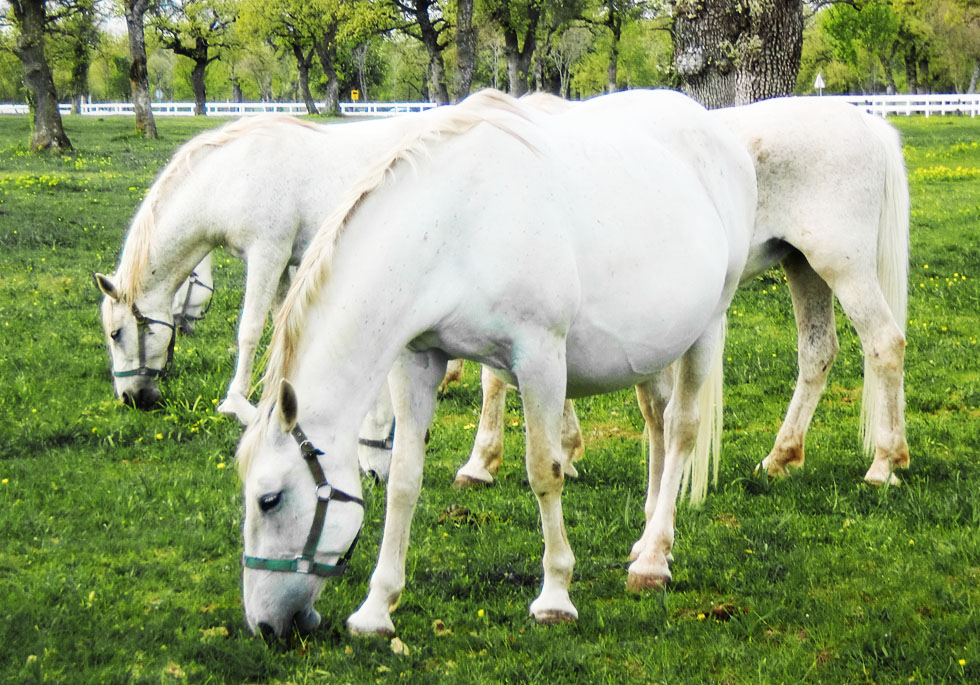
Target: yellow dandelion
[(159, 436), (221, 464)]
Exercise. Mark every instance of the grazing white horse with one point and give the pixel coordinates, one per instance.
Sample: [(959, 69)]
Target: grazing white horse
[(576, 254), (834, 210), (260, 187)]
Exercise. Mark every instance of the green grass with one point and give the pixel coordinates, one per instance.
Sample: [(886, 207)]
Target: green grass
[(120, 543)]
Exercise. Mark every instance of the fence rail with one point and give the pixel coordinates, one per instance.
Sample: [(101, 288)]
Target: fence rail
[(232, 109), (927, 104)]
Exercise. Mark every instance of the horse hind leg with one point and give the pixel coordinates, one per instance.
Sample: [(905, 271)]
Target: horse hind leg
[(884, 355), (652, 398), (488, 445), (651, 568), (813, 306)]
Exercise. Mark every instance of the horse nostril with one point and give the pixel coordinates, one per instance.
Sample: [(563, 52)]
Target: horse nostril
[(128, 399), (147, 398), (268, 632)]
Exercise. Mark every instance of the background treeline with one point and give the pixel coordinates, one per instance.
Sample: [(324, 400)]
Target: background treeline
[(321, 50)]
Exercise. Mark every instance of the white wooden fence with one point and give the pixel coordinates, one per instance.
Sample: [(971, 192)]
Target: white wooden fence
[(927, 104), (233, 109)]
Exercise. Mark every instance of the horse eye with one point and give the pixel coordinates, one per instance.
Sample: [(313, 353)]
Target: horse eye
[(270, 502), (115, 334)]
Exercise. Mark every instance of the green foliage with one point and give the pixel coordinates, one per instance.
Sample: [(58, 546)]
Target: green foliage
[(120, 557)]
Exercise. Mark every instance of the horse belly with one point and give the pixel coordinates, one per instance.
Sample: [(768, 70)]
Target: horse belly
[(649, 290)]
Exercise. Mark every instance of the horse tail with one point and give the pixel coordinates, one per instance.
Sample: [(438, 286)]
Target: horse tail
[(893, 263), (707, 447)]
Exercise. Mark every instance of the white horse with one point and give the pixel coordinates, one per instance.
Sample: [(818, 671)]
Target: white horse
[(258, 186), (834, 209), (577, 254)]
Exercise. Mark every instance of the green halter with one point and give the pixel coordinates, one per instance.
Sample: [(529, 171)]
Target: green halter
[(305, 562)]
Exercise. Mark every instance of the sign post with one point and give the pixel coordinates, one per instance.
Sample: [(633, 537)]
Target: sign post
[(819, 84)]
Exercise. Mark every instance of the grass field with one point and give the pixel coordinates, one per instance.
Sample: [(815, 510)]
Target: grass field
[(119, 530)]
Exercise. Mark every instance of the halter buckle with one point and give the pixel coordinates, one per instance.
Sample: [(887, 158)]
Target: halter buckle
[(304, 565), (324, 491)]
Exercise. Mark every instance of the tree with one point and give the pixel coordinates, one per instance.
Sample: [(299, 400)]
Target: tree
[(424, 21), (872, 30), (296, 26), (75, 37), (135, 11), (518, 20), (465, 48), (195, 29), (729, 52), (32, 23), (614, 15)]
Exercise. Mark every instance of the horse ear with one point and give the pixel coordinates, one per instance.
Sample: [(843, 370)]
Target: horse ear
[(107, 287), (287, 406)]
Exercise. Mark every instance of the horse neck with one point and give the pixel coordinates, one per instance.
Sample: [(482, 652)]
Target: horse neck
[(176, 244)]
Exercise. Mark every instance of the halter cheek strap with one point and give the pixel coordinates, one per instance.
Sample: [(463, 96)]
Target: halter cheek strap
[(325, 493), (195, 280), (142, 330)]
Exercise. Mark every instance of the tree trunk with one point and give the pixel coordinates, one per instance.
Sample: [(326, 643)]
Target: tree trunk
[(614, 23), (303, 64), (972, 88), (612, 68), (465, 48), (735, 52), (326, 50), (48, 132), (437, 71), (197, 84), (518, 57), (911, 71), (139, 82)]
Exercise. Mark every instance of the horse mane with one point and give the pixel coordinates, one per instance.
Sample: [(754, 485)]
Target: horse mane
[(136, 250), (546, 102), (486, 106)]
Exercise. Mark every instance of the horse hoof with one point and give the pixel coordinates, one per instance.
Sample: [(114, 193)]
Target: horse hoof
[(363, 626), (880, 475), (554, 617), (642, 582), (463, 482)]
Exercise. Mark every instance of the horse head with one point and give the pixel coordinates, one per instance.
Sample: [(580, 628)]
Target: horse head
[(140, 347), (299, 528)]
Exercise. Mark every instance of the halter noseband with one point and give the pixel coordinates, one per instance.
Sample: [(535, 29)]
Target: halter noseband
[(142, 329), (193, 280), (305, 562), (385, 444)]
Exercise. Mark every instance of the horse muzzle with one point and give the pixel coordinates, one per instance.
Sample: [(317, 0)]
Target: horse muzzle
[(147, 397)]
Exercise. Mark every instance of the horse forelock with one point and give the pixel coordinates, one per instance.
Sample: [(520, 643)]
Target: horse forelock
[(486, 106), (136, 250)]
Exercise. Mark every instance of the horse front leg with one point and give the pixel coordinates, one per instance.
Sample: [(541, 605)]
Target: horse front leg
[(813, 306), (542, 379), (413, 381), (264, 270)]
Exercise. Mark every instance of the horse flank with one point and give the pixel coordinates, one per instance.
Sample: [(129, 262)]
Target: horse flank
[(486, 106), (136, 250)]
